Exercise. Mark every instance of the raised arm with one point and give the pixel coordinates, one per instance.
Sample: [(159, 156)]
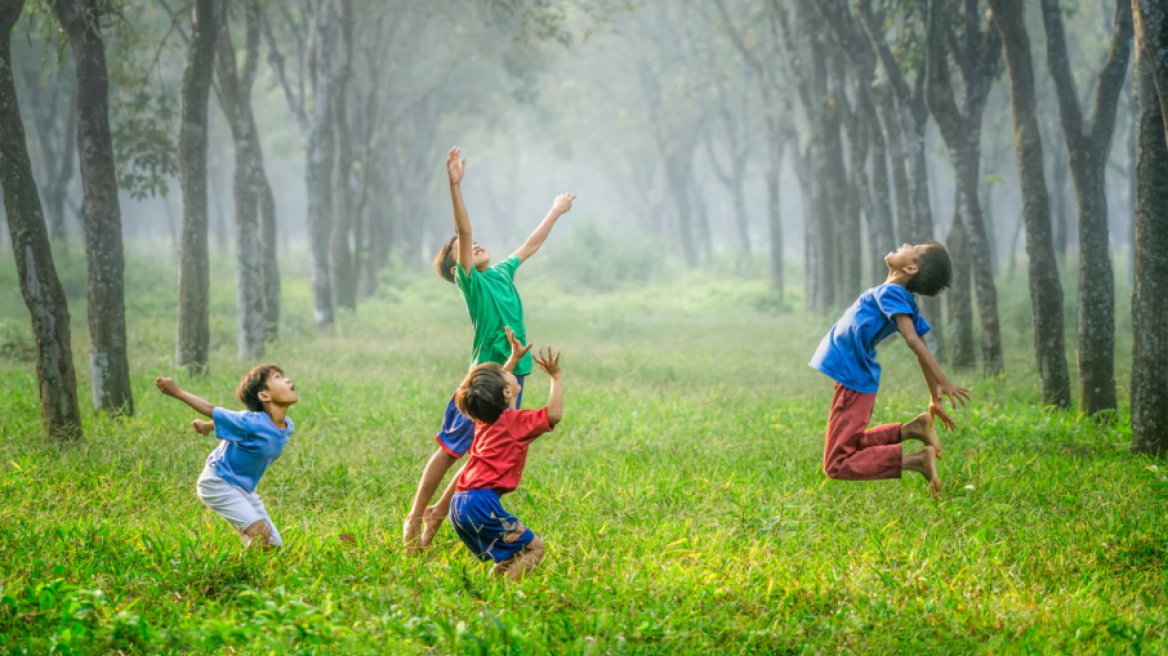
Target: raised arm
[(455, 168), (551, 365), (518, 350), (170, 388), (561, 206)]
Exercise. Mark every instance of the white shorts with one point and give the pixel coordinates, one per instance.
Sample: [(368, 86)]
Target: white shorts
[(238, 506)]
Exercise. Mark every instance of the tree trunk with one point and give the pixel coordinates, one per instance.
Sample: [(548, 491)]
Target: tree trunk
[(881, 232), (958, 297), (42, 291), (775, 147), (194, 327), (1059, 219), (340, 248), (249, 187), (319, 170), (1088, 150), (1046, 292), (109, 366), (1149, 396)]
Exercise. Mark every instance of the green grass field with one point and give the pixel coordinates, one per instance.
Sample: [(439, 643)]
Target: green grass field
[(682, 498)]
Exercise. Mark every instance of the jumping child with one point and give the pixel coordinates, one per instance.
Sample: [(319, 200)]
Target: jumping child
[(493, 303), (847, 354), (490, 396), (251, 440)]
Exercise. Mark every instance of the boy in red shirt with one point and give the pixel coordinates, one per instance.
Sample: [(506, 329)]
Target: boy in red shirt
[(489, 395)]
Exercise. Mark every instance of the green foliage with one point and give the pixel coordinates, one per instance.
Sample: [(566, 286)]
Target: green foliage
[(598, 258), (16, 342), (682, 498), (143, 146)]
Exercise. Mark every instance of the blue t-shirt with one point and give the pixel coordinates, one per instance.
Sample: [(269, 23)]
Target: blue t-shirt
[(848, 351), (251, 442)]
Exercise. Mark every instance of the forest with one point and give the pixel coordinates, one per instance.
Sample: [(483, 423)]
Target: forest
[(192, 188)]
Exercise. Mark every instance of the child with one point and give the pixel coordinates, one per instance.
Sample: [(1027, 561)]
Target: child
[(493, 302), (848, 355), (251, 440), (490, 396)]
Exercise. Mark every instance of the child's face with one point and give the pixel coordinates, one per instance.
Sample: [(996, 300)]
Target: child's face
[(482, 258), (905, 258), (280, 391), (511, 393)]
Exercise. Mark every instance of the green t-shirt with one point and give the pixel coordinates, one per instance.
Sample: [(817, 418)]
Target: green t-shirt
[(493, 303)]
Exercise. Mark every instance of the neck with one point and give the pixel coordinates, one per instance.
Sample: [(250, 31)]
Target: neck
[(897, 277), (278, 413)]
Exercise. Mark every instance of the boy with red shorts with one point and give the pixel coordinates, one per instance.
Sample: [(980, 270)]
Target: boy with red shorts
[(854, 452)]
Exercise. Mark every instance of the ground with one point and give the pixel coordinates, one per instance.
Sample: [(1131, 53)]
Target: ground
[(682, 499)]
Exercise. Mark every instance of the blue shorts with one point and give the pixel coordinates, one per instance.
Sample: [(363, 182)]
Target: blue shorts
[(490, 532), (457, 432)]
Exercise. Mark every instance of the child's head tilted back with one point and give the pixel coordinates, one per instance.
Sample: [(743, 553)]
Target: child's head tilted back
[(487, 392), (265, 384), (447, 258), (925, 268)]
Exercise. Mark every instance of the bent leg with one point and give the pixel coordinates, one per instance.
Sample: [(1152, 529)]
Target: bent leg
[(852, 452), (523, 562), (432, 477)]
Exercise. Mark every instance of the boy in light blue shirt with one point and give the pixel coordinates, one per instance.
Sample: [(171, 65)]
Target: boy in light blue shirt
[(252, 440), (847, 354)]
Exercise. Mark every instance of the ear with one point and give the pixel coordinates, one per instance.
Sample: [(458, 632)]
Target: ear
[(911, 269), (264, 397), (507, 392), (453, 273)]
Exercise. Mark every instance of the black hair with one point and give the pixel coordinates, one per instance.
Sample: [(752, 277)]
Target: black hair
[(934, 271), (481, 394), (254, 382), (446, 259)]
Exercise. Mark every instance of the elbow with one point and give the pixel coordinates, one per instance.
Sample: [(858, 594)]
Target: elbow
[(555, 417)]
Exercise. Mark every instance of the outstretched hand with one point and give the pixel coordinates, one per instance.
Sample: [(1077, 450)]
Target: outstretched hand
[(455, 166), (937, 409), (954, 393), (518, 350), (203, 427), (563, 203), (549, 363), (167, 386)]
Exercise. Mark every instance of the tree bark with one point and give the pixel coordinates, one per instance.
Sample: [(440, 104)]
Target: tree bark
[(319, 170), (1046, 292), (340, 247), (42, 291), (977, 59), (109, 367), (194, 286), (250, 187), (1149, 395), (1088, 149), (881, 231)]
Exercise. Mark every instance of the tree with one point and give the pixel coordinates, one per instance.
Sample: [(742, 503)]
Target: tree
[(109, 366), (257, 295), (1046, 292), (1149, 396), (913, 116), (344, 275), (1088, 149), (194, 282), (42, 291), (976, 53)]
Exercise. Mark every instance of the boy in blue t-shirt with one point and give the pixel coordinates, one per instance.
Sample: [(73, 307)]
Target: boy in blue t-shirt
[(847, 354), (251, 440)]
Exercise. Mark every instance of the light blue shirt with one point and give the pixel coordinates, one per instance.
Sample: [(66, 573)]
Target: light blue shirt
[(848, 352), (250, 442)]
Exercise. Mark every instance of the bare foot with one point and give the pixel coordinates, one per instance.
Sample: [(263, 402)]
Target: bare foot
[(929, 470), (411, 530), (921, 428), (431, 521)]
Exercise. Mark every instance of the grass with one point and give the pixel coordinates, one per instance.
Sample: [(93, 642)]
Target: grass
[(682, 499)]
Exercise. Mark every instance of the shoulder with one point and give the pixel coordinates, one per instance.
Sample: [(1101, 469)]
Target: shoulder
[(507, 267), (894, 294)]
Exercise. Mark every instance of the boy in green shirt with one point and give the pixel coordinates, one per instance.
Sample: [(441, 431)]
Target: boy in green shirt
[(494, 306)]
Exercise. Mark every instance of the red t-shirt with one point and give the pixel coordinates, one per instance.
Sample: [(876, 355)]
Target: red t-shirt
[(499, 450)]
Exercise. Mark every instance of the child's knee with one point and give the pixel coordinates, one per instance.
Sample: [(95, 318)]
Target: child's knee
[(832, 469), (535, 548)]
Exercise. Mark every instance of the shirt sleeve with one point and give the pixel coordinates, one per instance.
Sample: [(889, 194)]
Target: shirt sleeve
[(508, 267), (230, 426), (894, 300), (468, 283), (530, 424)]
